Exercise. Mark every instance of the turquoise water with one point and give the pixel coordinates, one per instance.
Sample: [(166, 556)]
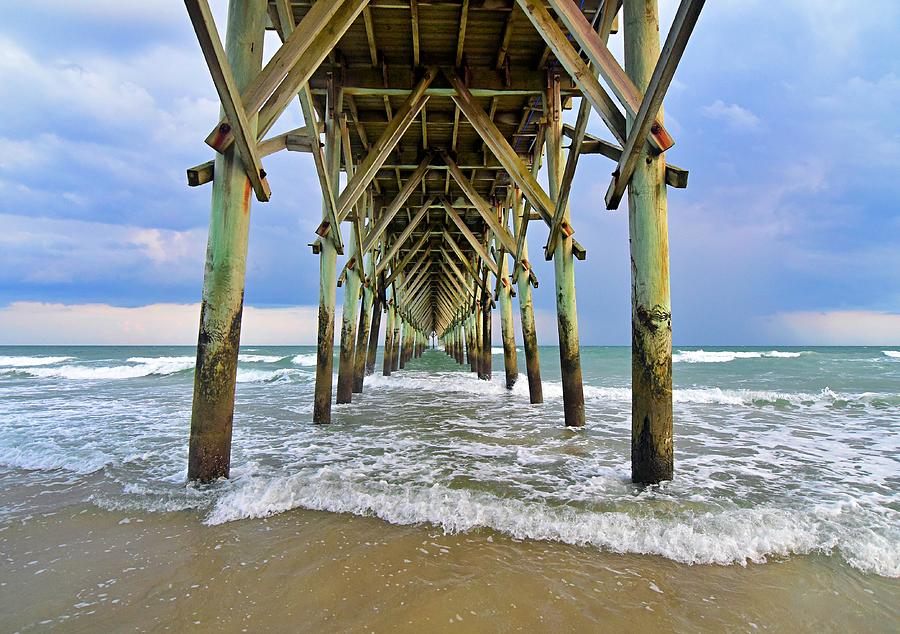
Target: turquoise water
[(779, 452)]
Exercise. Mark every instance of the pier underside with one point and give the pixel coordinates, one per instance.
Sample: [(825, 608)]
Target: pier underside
[(441, 114)]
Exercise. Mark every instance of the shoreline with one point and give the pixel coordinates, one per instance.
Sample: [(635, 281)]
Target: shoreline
[(89, 569)]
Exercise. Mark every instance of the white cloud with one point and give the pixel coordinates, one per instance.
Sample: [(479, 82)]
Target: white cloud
[(732, 114), (37, 323), (836, 327)]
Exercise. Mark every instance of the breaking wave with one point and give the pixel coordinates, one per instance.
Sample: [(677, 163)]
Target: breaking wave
[(894, 354), (307, 359), (723, 356), (716, 536), (25, 362)]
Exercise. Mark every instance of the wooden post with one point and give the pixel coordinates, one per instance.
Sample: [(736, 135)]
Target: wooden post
[(487, 359), (404, 342), (510, 362), (651, 317), (526, 312), (395, 353), (479, 339), (328, 269), (212, 413), (362, 336), (389, 342), (348, 325), (564, 268)]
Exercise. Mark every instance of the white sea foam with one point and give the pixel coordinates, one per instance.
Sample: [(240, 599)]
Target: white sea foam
[(259, 358), (252, 375), (28, 362), (138, 367), (721, 536), (46, 458), (894, 354), (496, 350), (723, 356), (306, 359)]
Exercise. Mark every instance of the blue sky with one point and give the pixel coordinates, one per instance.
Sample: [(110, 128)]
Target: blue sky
[(784, 113)]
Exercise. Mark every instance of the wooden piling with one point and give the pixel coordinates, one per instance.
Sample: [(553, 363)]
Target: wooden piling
[(564, 268), (526, 313), (389, 342), (510, 363), (327, 270), (362, 333), (652, 458), (374, 330), (212, 412), (485, 367), (346, 360), (395, 353)]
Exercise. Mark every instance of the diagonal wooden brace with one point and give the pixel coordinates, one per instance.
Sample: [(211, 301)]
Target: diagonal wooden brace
[(613, 74), (470, 237), (211, 45), (673, 49)]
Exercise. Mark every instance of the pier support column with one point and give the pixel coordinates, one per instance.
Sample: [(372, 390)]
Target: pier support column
[(395, 353), (404, 341), (374, 331), (651, 313), (510, 363), (346, 361), (212, 412), (327, 272), (526, 313), (389, 342), (564, 268), (484, 371), (362, 334), (478, 340)]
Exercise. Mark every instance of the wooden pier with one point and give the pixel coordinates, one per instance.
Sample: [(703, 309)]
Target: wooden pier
[(441, 114)]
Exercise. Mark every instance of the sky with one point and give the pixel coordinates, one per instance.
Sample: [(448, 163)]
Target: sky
[(784, 113)]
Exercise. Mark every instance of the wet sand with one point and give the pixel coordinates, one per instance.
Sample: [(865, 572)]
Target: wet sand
[(83, 569)]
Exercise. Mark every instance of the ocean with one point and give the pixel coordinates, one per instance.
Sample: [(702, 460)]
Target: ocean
[(437, 500)]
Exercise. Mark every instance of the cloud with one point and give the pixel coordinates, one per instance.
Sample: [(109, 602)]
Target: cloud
[(837, 328), (28, 323), (732, 114)]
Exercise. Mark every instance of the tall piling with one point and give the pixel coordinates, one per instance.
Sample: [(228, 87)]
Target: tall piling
[(327, 271), (374, 330), (484, 370), (510, 363), (388, 364), (564, 268), (652, 458), (346, 360), (212, 411), (362, 332), (395, 353), (526, 312)]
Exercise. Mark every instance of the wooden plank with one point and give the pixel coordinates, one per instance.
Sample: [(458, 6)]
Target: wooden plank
[(461, 38), (594, 45), (214, 53), (505, 153), (586, 79), (676, 41), (369, 167), (470, 237), (414, 20), (286, 57)]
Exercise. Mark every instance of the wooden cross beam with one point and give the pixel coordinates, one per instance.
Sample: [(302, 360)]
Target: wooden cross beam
[(395, 271), (594, 45), (459, 253), (295, 46), (404, 236), (323, 42), (676, 177), (211, 45), (505, 154), (586, 79), (481, 205), (469, 236), (385, 144), (672, 50), (526, 212), (411, 183)]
